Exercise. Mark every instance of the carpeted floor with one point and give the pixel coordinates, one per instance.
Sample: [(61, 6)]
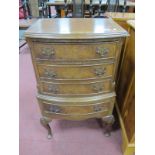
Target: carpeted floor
[(69, 137)]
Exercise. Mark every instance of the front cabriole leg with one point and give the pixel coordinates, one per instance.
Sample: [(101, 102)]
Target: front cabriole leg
[(108, 122), (45, 123)]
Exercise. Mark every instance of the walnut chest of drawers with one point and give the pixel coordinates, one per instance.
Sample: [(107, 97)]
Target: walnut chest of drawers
[(75, 63)]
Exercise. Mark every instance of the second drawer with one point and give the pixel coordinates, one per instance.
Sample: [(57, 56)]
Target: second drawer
[(75, 72)]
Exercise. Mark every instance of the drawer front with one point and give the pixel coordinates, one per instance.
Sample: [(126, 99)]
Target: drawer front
[(74, 52), (75, 72), (76, 88), (48, 108)]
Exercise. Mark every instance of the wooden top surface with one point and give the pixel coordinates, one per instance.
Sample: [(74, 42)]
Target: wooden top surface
[(120, 16), (95, 2), (75, 28), (131, 23)]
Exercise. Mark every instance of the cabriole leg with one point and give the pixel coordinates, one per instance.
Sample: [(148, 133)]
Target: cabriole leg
[(108, 122), (45, 123)]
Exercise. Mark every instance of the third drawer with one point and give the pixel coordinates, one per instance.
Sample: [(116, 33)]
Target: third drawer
[(76, 88)]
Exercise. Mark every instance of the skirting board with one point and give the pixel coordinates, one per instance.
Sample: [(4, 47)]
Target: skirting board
[(127, 147)]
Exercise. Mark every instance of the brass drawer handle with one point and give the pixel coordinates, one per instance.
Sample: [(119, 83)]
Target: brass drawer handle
[(49, 74), (55, 109), (53, 89), (97, 108), (47, 52), (99, 71), (97, 87), (102, 51)]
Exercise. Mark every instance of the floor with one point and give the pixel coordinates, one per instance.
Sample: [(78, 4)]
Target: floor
[(69, 137)]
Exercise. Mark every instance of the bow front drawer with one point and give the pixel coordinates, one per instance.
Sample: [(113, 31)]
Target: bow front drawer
[(76, 109), (75, 72), (74, 52), (78, 88)]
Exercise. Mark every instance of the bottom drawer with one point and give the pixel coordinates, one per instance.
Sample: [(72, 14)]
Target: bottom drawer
[(76, 110)]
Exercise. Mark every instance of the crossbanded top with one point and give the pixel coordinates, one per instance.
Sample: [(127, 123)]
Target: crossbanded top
[(75, 28)]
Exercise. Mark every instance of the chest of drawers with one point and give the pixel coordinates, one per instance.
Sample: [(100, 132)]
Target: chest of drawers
[(75, 63)]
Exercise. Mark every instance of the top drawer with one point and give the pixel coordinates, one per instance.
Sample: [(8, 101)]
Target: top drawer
[(74, 51)]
